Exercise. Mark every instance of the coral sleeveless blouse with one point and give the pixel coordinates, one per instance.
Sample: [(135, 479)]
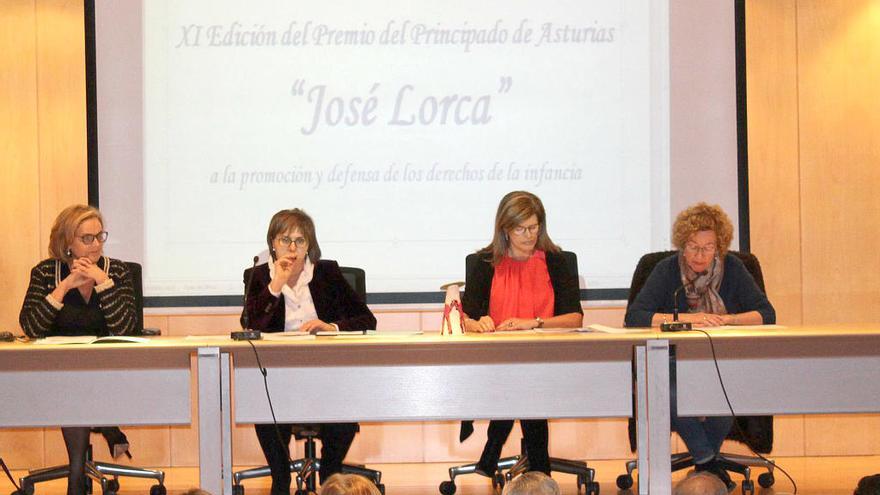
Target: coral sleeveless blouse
[(521, 289)]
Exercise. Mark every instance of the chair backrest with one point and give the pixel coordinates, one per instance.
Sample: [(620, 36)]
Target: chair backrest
[(570, 258), (357, 279), (138, 285), (647, 263)]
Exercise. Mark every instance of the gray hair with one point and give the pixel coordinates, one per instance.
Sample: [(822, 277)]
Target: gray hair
[(532, 483), (700, 483)]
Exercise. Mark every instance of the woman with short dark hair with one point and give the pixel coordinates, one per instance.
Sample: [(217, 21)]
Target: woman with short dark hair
[(299, 291)]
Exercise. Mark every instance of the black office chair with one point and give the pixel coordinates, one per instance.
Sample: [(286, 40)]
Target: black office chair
[(306, 468), (518, 464), (116, 440), (755, 431)]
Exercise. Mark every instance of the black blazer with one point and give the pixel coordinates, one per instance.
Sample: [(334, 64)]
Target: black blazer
[(335, 300), (478, 286)]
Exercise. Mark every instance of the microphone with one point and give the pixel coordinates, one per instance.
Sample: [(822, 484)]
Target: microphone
[(676, 326), (245, 333)]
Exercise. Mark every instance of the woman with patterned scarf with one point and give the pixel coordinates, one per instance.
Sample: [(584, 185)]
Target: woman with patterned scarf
[(718, 290)]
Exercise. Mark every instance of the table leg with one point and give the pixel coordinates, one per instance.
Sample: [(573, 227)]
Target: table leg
[(210, 420), (657, 372)]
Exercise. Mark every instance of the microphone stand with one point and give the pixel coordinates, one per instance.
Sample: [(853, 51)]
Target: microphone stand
[(245, 333), (676, 326)]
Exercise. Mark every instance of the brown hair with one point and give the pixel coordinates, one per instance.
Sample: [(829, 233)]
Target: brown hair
[(64, 229), (515, 208), (700, 217), (287, 220), (348, 484)]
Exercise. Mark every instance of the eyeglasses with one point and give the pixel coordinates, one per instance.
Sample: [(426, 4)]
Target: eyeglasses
[(90, 238), (532, 229), (287, 241), (708, 249)]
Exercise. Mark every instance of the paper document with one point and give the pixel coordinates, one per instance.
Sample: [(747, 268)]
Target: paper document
[(555, 330), (210, 338), (285, 336), (595, 327), (91, 339), (744, 327), (353, 333)]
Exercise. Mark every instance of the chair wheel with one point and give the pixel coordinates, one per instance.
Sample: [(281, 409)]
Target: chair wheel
[(624, 481), (158, 490), (593, 488), (112, 486), (748, 487), (766, 480), (447, 487), (237, 489)]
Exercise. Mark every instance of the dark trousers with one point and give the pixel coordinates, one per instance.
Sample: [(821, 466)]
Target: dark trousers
[(336, 439), (536, 435), (76, 439)]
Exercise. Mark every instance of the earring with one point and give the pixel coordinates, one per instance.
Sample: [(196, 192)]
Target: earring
[(68, 253)]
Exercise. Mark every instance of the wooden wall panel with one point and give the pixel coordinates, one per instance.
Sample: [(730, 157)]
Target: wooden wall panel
[(839, 124), (838, 73), (19, 187), (19, 190), (774, 190), (851, 434), (62, 109)]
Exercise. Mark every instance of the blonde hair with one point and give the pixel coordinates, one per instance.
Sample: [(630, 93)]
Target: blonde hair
[(64, 229), (515, 208), (348, 484), (532, 483), (287, 220), (700, 217)]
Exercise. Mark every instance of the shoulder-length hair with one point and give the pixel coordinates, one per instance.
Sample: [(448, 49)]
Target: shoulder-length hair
[(515, 208), (700, 217), (64, 229), (287, 220)]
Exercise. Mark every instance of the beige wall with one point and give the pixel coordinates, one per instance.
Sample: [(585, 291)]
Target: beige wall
[(814, 165), (814, 118), (42, 154)]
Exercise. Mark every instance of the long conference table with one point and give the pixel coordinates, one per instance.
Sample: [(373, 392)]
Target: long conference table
[(392, 377)]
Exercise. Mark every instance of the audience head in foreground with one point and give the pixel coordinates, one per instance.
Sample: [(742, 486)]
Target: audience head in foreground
[(701, 483), (869, 485), (348, 484), (532, 483)]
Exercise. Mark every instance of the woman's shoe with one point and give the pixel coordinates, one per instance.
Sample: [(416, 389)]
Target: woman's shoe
[(117, 442)]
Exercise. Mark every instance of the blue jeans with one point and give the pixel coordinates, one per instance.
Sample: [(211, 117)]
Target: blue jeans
[(703, 436)]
